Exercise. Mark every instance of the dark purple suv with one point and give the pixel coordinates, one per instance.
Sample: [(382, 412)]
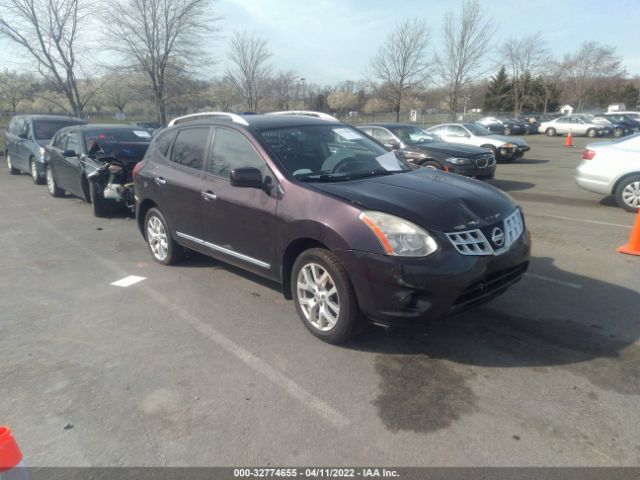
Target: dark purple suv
[(350, 230)]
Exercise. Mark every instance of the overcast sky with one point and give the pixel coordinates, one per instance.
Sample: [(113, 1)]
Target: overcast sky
[(327, 41)]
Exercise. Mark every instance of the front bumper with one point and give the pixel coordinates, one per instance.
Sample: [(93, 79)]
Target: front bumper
[(512, 152), (473, 171), (394, 291)]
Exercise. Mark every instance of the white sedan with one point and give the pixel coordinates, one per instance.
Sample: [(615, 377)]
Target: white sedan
[(576, 124), (613, 168)]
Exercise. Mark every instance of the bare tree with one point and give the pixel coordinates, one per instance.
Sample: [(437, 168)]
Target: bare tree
[(250, 69), (524, 57), (466, 42), (158, 37), (585, 67), (400, 62), (49, 30)]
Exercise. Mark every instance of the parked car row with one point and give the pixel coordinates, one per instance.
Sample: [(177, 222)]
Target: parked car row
[(353, 231)]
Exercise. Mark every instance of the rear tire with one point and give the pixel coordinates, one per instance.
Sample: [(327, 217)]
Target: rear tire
[(506, 131), (163, 248), (618, 132), (12, 170), (551, 132), (324, 297), (628, 193), (98, 202), (35, 176), (53, 188)]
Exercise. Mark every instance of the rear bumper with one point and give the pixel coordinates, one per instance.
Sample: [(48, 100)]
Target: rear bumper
[(396, 291), (589, 178)]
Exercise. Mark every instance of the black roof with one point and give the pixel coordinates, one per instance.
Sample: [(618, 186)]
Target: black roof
[(388, 125), (52, 117)]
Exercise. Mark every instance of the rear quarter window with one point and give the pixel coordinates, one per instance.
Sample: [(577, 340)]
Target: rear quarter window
[(164, 140)]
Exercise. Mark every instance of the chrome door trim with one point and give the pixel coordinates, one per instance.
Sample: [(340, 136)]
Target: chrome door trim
[(224, 250)]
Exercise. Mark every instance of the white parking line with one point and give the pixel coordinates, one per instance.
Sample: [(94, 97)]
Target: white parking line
[(573, 219), (315, 404), (128, 281), (553, 280)]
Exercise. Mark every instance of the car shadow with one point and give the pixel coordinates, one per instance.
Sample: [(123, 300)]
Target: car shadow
[(530, 161), (510, 185), (582, 325)]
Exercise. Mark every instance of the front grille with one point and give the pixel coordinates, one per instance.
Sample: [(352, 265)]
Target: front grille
[(491, 240), (485, 160), (490, 285)]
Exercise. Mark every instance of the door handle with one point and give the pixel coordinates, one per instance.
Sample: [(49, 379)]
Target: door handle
[(208, 195), (160, 181)]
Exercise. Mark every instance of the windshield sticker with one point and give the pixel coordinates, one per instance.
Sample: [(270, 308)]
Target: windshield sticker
[(347, 134), (142, 133)]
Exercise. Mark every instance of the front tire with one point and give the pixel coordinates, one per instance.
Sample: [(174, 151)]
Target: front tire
[(12, 170), (506, 131), (592, 133), (98, 202), (628, 193), (324, 296), (53, 188), (618, 132), (551, 132), (35, 176), (163, 248), (432, 164)]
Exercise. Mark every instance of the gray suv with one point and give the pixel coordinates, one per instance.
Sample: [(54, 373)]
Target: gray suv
[(25, 140)]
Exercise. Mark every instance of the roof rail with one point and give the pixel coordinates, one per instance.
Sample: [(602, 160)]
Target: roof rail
[(234, 117), (307, 113)]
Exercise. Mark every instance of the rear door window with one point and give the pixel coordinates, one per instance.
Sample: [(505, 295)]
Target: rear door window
[(190, 146), (382, 135), (163, 141)]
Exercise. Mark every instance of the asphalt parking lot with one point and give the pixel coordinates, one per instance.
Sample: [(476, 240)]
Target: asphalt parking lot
[(202, 364)]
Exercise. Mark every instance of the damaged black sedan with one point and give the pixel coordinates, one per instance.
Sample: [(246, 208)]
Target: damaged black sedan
[(95, 163)]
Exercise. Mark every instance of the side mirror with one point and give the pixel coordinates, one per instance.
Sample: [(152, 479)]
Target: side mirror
[(69, 153), (23, 136), (393, 144), (247, 177)]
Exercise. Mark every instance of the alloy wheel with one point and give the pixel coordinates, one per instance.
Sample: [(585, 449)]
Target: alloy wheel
[(631, 194), (157, 238), (51, 185), (34, 171), (318, 297)]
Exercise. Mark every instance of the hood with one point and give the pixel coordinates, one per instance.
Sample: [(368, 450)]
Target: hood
[(432, 199), (126, 152), (504, 139), (452, 149)]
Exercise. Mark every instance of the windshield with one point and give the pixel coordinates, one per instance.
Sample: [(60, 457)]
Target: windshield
[(330, 153), (414, 135), (115, 135), (477, 129), (46, 129)]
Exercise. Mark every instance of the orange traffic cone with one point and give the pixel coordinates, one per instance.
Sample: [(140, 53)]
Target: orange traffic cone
[(633, 247), (569, 142), (11, 464)]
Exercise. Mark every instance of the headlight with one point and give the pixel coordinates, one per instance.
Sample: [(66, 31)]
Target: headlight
[(398, 236), (458, 161), (42, 152), (508, 145)]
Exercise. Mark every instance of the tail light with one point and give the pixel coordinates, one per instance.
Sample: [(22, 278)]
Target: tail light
[(588, 154), (136, 169)]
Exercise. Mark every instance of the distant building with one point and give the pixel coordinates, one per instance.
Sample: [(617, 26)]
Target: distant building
[(616, 107)]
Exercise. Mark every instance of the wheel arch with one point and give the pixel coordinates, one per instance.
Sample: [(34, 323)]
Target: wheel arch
[(617, 183), (291, 252), (143, 208)]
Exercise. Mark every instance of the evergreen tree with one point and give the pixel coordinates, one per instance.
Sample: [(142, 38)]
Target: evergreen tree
[(498, 96)]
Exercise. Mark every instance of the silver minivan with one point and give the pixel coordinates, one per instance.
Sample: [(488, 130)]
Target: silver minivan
[(25, 139)]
